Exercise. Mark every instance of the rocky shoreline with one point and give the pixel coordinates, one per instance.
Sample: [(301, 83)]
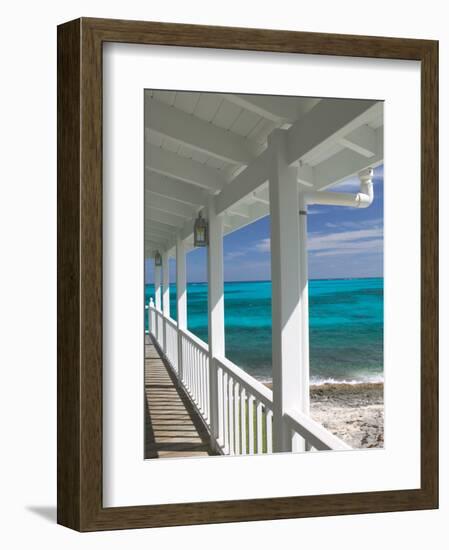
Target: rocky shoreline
[(353, 412)]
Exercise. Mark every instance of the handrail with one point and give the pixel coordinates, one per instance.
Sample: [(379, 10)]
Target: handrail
[(194, 339), (313, 432), (189, 335), (252, 385), (171, 322)]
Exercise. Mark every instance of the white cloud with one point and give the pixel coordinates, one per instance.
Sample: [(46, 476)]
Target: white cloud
[(376, 223), (312, 211), (358, 237), (263, 245), (364, 247), (359, 241), (235, 254)]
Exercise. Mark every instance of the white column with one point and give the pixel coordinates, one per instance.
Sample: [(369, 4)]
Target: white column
[(157, 297), (152, 329), (286, 291), (165, 298), (157, 286), (181, 297), (304, 403), (165, 285), (215, 310)]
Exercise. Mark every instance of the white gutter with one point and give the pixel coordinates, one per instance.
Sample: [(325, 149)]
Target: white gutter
[(363, 199)]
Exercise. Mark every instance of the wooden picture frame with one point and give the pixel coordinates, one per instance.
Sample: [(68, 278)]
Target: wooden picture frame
[(80, 504)]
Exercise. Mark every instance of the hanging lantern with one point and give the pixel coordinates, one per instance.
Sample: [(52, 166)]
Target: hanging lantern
[(200, 236), (157, 259)]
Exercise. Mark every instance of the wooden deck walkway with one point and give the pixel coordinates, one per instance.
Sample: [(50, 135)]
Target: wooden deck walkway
[(172, 426)]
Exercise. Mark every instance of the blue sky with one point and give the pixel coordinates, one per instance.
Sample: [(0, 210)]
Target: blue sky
[(343, 242)]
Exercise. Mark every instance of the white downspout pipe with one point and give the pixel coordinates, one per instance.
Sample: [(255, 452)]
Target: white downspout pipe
[(363, 199)]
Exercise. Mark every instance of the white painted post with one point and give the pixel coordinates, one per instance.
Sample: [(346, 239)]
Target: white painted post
[(181, 298), (157, 286), (286, 290), (151, 328), (165, 296), (298, 443), (165, 285), (157, 296), (215, 314)]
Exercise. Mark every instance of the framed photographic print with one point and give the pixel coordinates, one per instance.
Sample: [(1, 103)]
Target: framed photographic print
[(247, 286)]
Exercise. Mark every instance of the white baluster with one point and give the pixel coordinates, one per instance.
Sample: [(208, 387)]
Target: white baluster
[(237, 417), (225, 413), (231, 416), (251, 424), (269, 421), (243, 419), (259, 428)]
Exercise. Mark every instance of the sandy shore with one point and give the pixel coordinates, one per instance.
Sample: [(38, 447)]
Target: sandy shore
[(353, 412)]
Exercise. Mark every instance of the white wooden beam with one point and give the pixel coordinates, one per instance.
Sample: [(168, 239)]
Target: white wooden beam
[(362, 140), (159, 241), (165, 204), (154, 244), (163, 242), (230, 222), (170, 164), (330, 119), (239, 210), (202, 136), (157, 234), (164, 217), (159, 229), (261, 196), (247, 181), (276, 108), (347, 163), (256, 211), (169, 230), (306, 175), (178, 190)]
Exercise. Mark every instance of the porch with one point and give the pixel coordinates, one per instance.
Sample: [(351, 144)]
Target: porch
[(197, 165)]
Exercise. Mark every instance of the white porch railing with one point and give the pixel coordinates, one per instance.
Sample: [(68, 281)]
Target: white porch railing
[(245, 405), (245, 411), (171, 342), (195, 371)]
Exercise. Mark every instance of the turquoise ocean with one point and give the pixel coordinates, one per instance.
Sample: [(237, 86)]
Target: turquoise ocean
[(345, 325)]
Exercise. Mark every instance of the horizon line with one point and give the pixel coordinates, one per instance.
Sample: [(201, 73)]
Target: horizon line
[(269, 280)]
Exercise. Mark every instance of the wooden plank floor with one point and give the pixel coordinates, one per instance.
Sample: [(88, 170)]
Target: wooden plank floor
[(172, 426)]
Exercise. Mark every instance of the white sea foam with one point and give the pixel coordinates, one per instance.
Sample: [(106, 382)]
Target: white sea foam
[(375, 379), (314, 381)]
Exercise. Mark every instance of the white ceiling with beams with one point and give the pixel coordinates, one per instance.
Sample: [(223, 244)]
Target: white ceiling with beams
[(203, 145)]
